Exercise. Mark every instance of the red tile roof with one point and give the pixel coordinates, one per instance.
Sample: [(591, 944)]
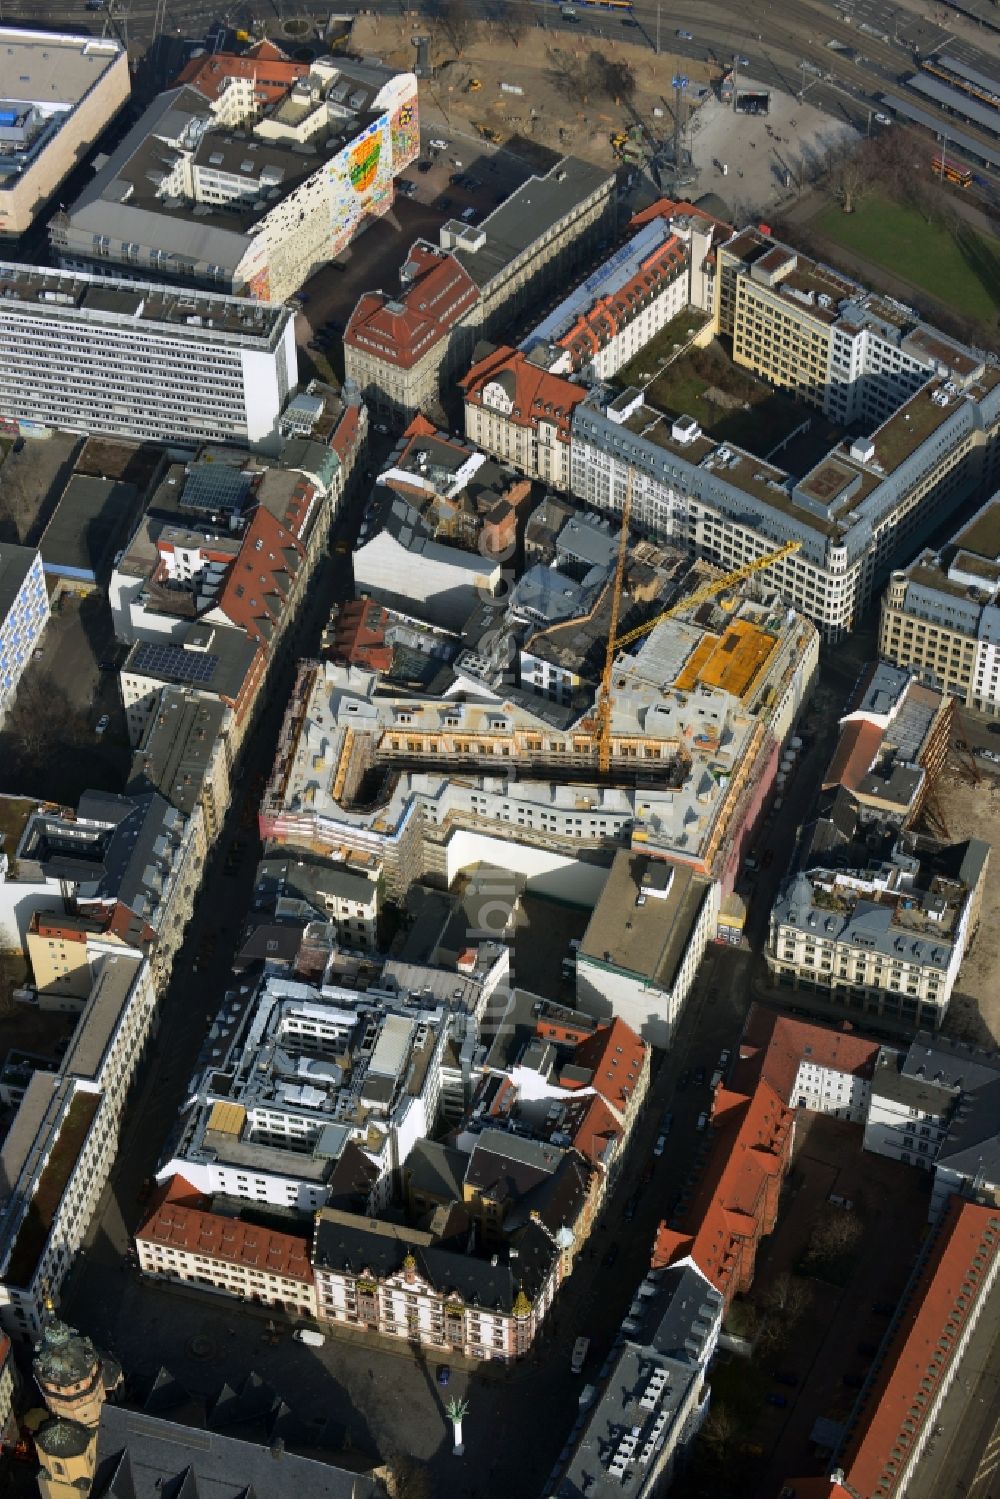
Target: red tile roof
[(773, 1045), (591, 1126), (616, 1056), (345, 438), (733, 1208), (608, 315), (668, 208), (856, 751), (946, 1298), (271, 71), (257, 587), (534, 393), (359, 636), (177, 1222), (402, 330)]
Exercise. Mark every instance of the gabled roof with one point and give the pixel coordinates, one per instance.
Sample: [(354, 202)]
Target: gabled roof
[(857, 748), (616, 1056), (749, 1149), (535, 394), (402, 330), (773, 1046), (253, 596), (271, 71), (944, 1301), (176, 1225)]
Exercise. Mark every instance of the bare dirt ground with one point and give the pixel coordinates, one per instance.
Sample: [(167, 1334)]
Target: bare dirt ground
[(564, 106), (973, 811)]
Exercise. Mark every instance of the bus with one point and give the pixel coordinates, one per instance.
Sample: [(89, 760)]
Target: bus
[(580, 1348), (960, 176)]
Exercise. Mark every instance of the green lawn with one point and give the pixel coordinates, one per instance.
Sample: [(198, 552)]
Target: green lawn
[(961, 270)]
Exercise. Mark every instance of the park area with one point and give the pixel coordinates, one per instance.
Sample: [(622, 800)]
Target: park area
[(948, 259)]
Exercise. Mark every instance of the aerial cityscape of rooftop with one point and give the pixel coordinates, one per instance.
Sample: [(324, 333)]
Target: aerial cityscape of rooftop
[(500, 750)]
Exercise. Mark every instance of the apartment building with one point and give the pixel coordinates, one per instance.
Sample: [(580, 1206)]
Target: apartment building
[(340, 892), (65, 951), (478, 278), (884, 932), (161, 365), (58, 93), (59, 1149), (222, 193), (668, 265), (24, 613), (135, 850), (241, 85), (184, 756), (654, 1396), (398, 1282), (182, 1241), (941, 617), (932, 1106)]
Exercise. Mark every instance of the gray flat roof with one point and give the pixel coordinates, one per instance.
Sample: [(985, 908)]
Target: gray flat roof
[(87, 523), (80, 295), (179, 748), (15, 562), (221, 669), (957, 101), (528, 214), (648, 939), (101, 1015)]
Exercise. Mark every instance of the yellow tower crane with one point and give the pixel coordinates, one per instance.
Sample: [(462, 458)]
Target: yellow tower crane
[(618, 642)]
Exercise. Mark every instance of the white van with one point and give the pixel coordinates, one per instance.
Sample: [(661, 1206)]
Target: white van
[(580, 1350)]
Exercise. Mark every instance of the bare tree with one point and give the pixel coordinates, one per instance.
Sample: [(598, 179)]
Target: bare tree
[(458, 24), (514, 18), (852, 174), (568, 75), (836, 1234), (788, 1296), (610, 77)]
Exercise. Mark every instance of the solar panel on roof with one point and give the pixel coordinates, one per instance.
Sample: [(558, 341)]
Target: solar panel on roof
[(214, 487), (153, 659)]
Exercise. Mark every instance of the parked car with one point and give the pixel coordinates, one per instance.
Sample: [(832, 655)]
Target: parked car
[(610, 1255), (102, 724), (438, 145), (309, 1336), (443, 1374), (630, 1207), (661, 1145), (699, 1075), (785, 1377), (424, 166), (779, 1400), (684, 36), (703, 1121), (683, 1080), (667, 1122)]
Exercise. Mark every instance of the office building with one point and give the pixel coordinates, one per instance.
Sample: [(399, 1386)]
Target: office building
[(897, 1416), (881, 926), (183, 1241), (522, 413), (401, 1283), (57, 93), (223, 193), (184, 756), (941, 615), (645, 939), (145, 361), (24, 613)]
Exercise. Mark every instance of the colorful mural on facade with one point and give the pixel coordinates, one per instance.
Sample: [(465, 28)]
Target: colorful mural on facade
[(405, 131)]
